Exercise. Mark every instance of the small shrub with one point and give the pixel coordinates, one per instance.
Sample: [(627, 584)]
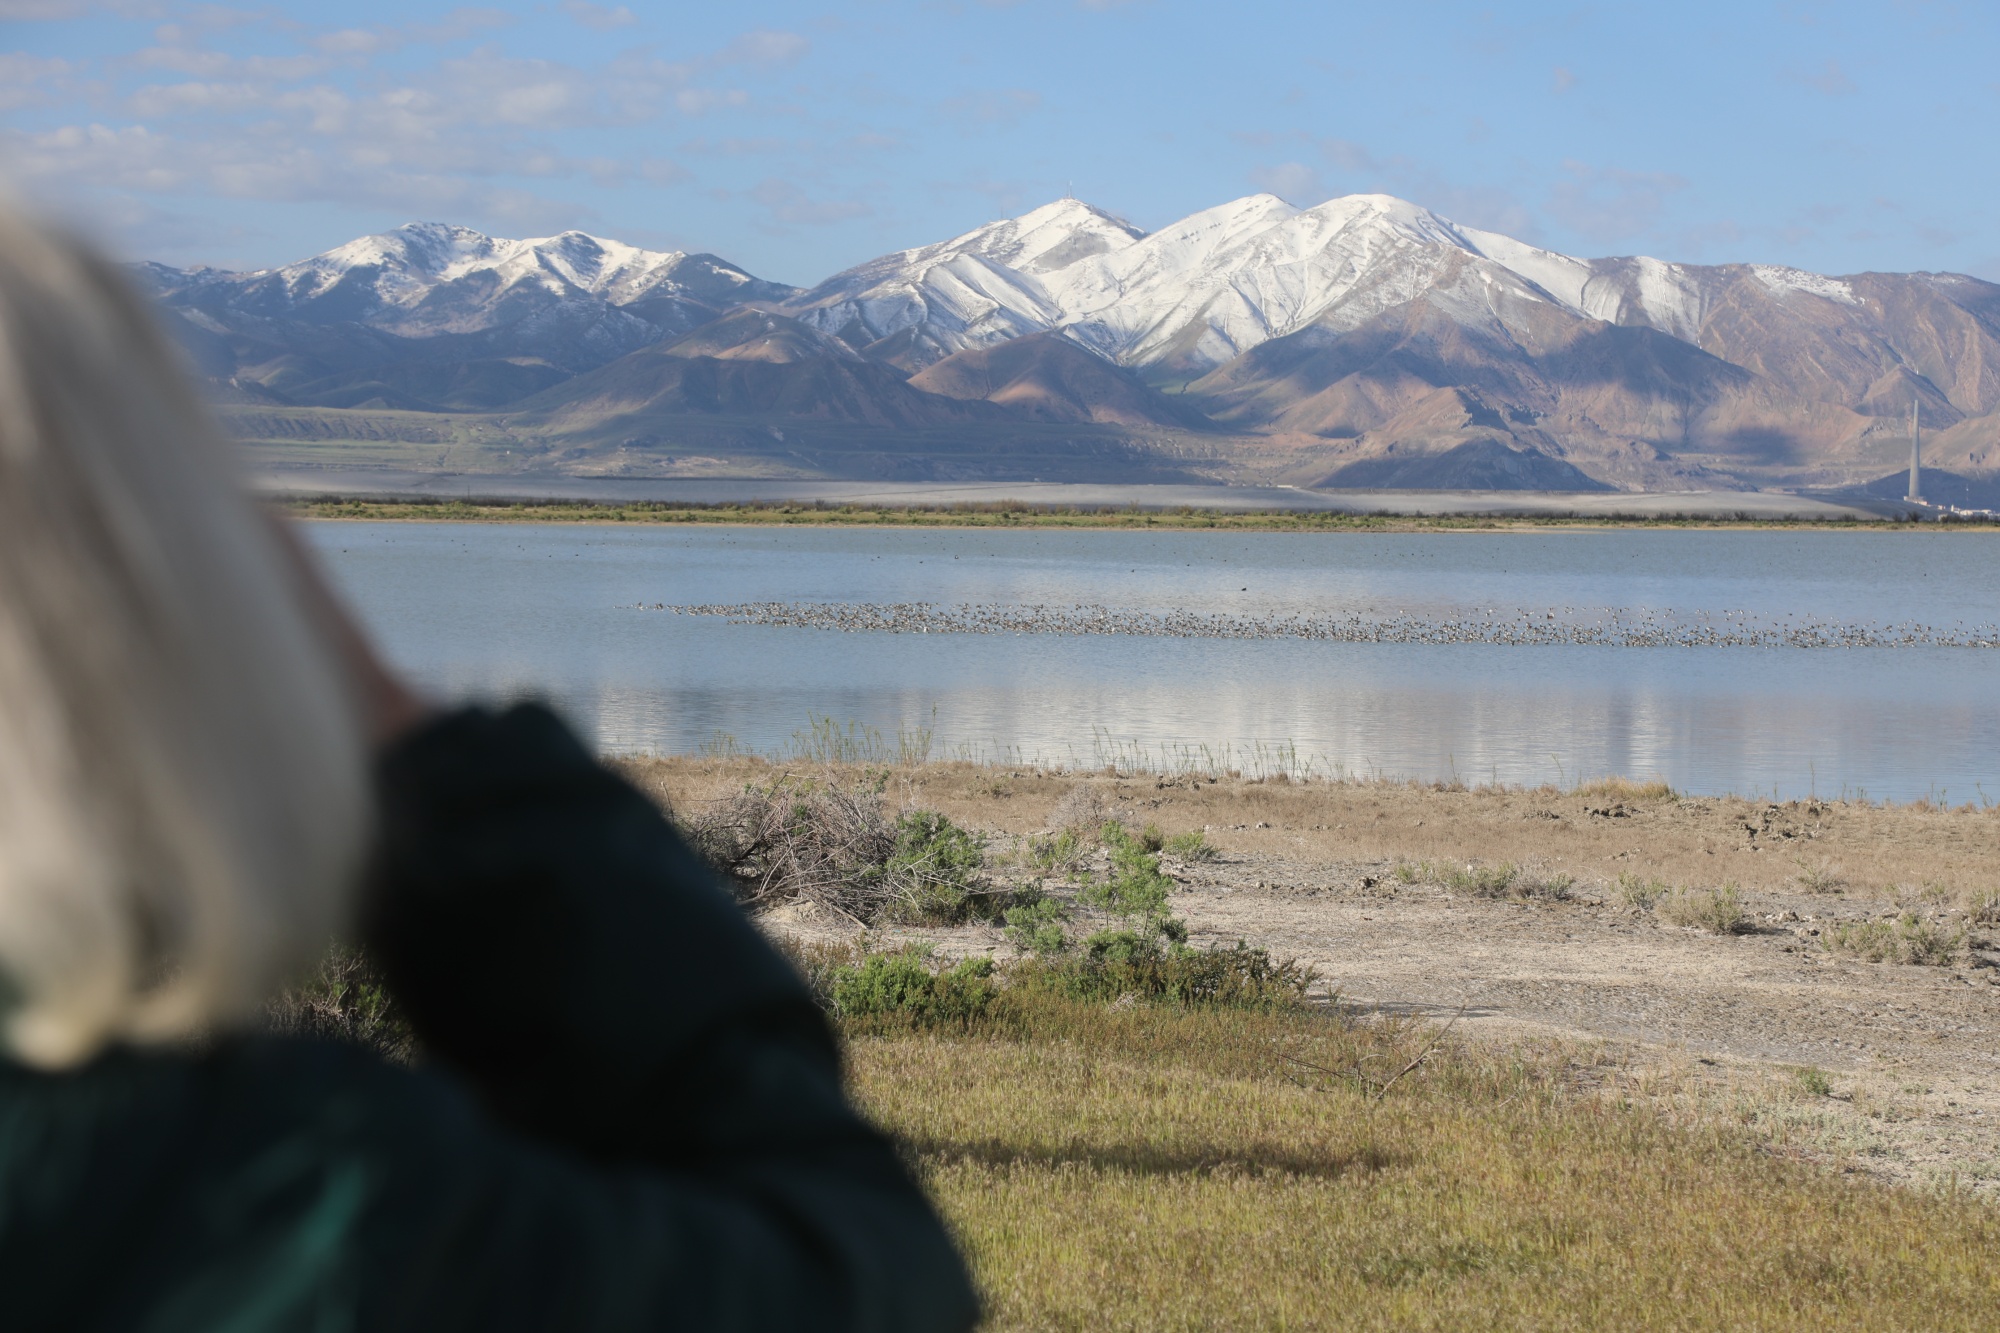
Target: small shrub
[(1059, 854), (1717, 911), (1821, 877), (1554, 887), (1081, 807), (1814, 1082), (1135, 884), (1641, 894), (933, 869), (1408, 872), (1482, 881), (1907, 939), (1151, 838), (1191, 846), (1037, 928), (1983, 906), (900, 985)]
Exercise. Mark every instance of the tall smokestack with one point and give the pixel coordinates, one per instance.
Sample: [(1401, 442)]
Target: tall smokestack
[(1916, 494)]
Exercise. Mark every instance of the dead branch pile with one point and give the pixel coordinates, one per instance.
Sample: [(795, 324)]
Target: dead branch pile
[(802, 839)]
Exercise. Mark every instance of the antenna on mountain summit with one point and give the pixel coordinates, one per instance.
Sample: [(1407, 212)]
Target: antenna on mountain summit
[(1916, 495)]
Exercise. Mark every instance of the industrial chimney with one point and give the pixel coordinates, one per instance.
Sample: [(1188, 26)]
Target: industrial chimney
[(1916, 495)]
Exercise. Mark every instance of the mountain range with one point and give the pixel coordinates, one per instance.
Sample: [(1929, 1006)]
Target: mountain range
[(1364, 342)]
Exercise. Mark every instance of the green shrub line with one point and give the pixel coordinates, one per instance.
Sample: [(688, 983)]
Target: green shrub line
[(902, 989)]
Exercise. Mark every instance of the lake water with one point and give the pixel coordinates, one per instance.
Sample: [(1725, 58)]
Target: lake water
[(1503, 657)]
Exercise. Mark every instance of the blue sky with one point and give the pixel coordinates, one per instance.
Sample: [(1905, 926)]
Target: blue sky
[(798, 138)]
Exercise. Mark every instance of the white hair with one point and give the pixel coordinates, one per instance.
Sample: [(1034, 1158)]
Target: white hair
[(183, 791)]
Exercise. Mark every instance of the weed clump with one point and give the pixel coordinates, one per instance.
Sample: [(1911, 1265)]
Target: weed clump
[(1482, 881), (1639, 893), (1505, 880), (1191, 846), (1907, 939), (1061, 853), (1717, 911)]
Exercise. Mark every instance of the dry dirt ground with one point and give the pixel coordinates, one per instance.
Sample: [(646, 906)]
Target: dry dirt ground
[(1888, 1068)]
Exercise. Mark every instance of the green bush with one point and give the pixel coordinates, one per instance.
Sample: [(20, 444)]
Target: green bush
[(1037, 927), (899, 984), (1115, 964), (1135, 884), (935, 867)]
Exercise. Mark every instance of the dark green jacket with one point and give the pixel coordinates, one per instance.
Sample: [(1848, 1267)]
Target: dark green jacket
[(631, 1116)]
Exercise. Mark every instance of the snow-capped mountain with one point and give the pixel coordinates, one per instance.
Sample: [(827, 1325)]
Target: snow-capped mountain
[(358, 318), (1384, 343), (1193, 295)]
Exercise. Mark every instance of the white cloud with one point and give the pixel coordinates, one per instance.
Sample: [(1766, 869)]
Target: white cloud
[(27, 80), (764, 47), (598, 17)]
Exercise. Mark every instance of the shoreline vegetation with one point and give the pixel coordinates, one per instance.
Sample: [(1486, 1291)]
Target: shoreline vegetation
[(1008, 514), (1139, 1111)]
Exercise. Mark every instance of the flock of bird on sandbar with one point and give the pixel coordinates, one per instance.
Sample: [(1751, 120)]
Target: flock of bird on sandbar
[(1608, 627)]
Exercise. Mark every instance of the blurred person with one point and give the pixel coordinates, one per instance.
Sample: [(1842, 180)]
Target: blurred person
[(629, 1114)]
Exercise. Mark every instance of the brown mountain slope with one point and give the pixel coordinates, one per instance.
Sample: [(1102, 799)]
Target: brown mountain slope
[(1046, 377), (657, 381), (757, 335), (1895, 337), (1628, 405)]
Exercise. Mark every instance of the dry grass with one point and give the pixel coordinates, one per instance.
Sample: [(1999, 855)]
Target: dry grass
[(1588, 833), (1717, 911), (1909, 938), (1150, 1169)]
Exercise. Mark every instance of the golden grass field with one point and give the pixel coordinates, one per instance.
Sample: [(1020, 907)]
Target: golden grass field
[(1156, 1169)]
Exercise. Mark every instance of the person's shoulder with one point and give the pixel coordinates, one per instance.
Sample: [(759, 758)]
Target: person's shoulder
[(242, 1081)]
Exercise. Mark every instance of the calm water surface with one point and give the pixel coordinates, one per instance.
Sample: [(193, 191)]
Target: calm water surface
[(501, 610)]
